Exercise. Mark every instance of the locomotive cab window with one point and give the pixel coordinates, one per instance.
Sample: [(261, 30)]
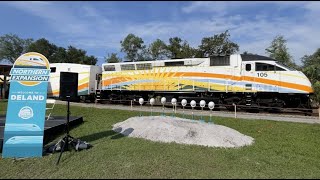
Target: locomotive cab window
[(279, 69), (267, 67)]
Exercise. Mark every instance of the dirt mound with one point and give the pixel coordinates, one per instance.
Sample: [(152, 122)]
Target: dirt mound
[(183, 131)]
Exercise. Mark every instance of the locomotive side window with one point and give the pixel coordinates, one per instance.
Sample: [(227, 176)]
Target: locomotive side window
[(267, 67), (109, 68), (127, 67), (53, 69), (174, 63), (248, 67), (144, 66)]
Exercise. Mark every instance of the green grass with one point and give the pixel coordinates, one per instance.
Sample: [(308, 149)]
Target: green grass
[(280, 150)]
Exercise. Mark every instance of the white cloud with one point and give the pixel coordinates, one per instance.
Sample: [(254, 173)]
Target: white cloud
[(88, 27)]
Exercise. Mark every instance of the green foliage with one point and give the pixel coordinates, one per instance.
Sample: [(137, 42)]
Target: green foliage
[(219, 44), (112, 58), (11, 47), (144, 55), (79, 56), (187, 51), (311, 68), (179, 49), (175, 47), (159, 50), (278, 50), (316, 88), (133, 46), (59, 56), (44, 47)]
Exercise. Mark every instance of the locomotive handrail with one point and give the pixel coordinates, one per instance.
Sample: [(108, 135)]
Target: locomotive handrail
[(219, 106)]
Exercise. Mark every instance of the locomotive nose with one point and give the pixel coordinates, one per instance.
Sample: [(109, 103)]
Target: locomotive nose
[(308, 83)]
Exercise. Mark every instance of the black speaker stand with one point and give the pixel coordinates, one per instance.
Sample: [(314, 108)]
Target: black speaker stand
[(67, 140)]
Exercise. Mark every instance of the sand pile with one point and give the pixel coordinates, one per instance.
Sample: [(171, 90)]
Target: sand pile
[(183, 131)]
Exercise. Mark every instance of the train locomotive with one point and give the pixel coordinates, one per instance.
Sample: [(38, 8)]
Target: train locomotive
[(245, 80), (248, 81)]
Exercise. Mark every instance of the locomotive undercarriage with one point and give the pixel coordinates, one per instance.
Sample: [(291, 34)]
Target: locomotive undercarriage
[(243, 100)]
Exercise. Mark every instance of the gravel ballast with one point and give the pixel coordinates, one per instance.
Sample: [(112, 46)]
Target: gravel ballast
[(183, 131)]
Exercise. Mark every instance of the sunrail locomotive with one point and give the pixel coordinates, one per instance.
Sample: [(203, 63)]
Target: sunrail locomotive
[(241, 79)]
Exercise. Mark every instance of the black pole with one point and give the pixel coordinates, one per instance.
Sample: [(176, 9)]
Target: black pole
[(66, 138), (68, 116)]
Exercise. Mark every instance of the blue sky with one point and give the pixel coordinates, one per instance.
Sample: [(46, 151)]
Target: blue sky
[(98, 27)]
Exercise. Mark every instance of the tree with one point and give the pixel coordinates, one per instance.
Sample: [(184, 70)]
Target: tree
[(180, 49), (90, 60), (133, 46), (112, 58), (219, 44), (44, 47), (311, 68), (187, 51), (11, 47), (59, 56), (278, 50), (158, 50), (74, 55), (175, 47), (144, 55)]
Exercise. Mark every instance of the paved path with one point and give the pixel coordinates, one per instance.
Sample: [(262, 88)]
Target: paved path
[(243, 115)]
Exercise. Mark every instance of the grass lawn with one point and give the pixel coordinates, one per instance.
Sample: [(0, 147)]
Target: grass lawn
[(280, 150)]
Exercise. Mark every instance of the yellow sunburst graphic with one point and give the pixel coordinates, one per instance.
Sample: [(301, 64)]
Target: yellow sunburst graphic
[(161, 79)]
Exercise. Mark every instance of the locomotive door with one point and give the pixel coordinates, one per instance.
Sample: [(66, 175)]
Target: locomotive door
[(98, 82), (248, 76)]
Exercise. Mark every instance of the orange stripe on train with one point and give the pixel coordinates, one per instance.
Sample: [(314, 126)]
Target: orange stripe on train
[(83, 86), (249, 78)]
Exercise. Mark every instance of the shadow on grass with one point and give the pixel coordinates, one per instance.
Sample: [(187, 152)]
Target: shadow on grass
[(97, 136), (115, 134), (123, 134)]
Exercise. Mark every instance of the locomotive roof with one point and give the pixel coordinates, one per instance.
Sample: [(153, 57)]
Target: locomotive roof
[(255, 57)]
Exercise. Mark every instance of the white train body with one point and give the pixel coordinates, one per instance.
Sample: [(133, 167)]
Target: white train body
[(226, 74), (86, 78)]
